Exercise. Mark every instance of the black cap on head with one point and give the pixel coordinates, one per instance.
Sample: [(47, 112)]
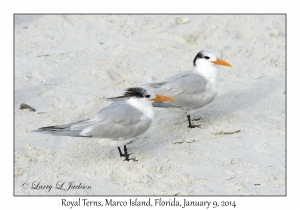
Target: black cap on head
[(136, 92), (204, 54), (199, 55)]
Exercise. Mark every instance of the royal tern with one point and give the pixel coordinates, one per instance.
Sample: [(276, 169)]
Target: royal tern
[(118, 124), (192, 89)]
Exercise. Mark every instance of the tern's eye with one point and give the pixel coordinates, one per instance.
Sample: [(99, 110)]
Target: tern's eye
[(206, 57), (147, 96)]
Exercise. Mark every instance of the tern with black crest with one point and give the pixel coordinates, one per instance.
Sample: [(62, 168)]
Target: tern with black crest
[(118, 124), (192, 89)]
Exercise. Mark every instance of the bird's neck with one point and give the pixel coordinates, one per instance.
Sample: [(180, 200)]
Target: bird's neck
[(143, 105), (210, 72)]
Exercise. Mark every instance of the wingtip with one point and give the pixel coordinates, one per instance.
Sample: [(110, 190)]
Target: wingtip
[(118, 98)]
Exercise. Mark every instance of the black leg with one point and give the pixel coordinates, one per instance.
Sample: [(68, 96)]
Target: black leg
[(127, 155), (121, 154), (190, 124)]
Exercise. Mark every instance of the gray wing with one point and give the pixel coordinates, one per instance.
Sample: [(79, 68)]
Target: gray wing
[(176, 76), (185, 88), (186, 82), (118, 120)]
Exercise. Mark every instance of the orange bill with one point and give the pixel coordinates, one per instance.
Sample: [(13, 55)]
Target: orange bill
[(160, 98), (221, 62)]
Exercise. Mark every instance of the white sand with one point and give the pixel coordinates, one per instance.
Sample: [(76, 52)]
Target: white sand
[(65, 67)]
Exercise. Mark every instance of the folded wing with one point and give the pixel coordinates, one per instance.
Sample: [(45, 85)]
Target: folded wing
[(186, 88), (118, 120)]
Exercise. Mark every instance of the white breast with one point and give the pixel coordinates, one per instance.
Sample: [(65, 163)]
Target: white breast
[(213, 86), (143, 105), (211, 73)]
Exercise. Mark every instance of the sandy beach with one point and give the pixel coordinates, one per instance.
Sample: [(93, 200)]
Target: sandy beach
[(67, 65)]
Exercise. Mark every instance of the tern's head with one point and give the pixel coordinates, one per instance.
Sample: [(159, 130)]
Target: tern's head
[(141, 93), (205, 57), (138, 92)]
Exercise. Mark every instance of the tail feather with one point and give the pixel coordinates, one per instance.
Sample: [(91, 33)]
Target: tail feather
[(60, 130)]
